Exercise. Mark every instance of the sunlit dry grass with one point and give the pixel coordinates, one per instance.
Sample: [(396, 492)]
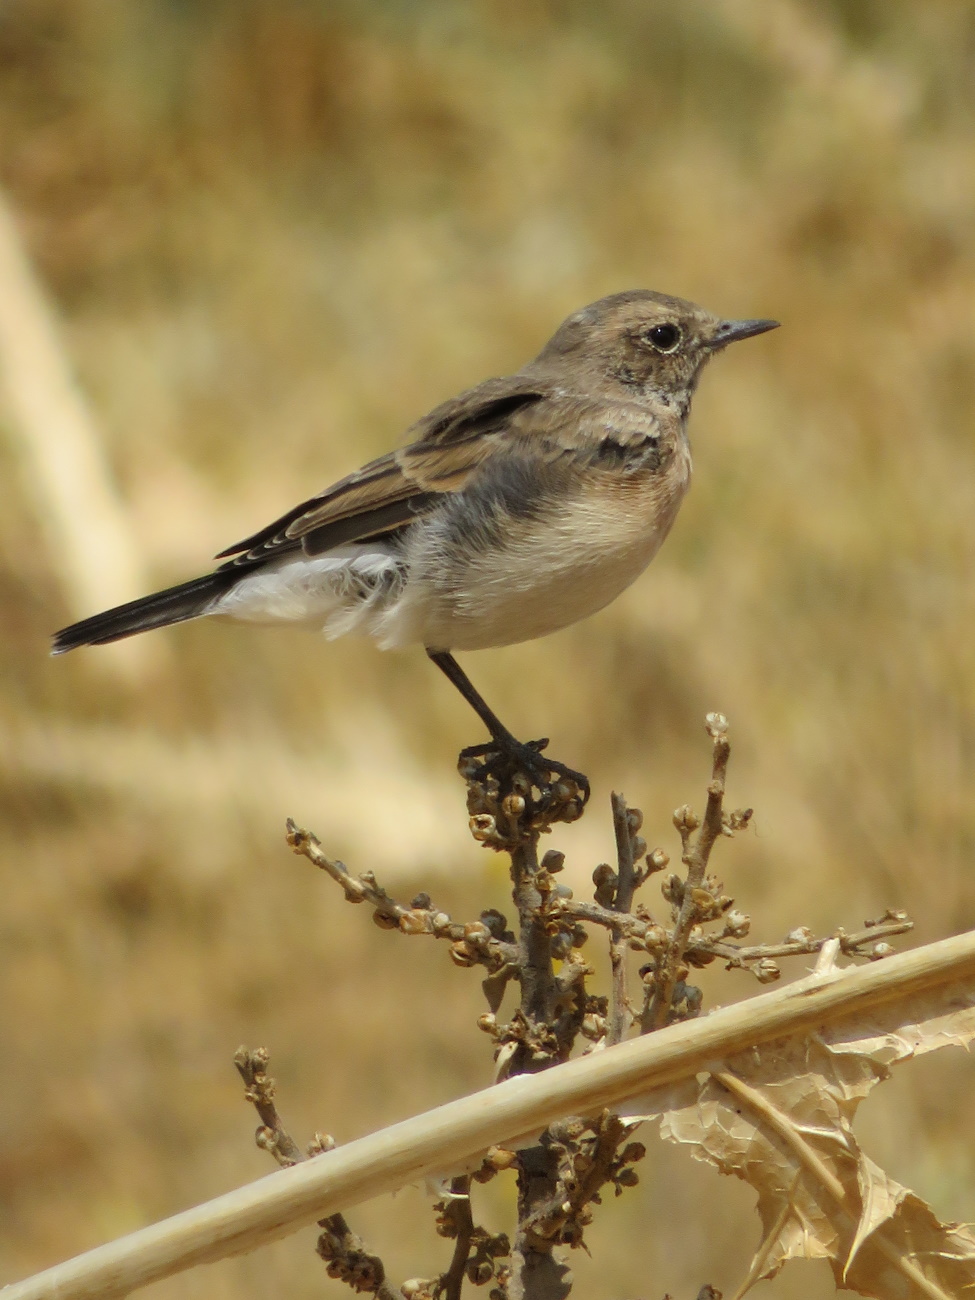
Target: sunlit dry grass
[(278, 233)]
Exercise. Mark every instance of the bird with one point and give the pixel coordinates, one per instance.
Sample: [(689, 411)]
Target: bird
[(514, 509)]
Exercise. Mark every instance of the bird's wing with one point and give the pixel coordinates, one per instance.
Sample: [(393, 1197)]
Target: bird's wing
[(392, 491)]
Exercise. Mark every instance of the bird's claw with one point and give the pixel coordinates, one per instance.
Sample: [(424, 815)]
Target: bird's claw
[(523, 783)]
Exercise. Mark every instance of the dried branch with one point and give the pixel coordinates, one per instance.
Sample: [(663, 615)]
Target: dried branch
[(584, 1165), (486, 942), (644, 934), (452, 1134), (456, 1220), (563, 1171), (272, 1135), (344, 1251), (626, 824), (870, 942), (694, 901)]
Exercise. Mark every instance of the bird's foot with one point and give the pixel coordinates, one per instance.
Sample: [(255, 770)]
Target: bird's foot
[(514, 779)]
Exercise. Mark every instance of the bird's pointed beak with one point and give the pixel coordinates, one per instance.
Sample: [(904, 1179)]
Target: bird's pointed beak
[(730, 331)]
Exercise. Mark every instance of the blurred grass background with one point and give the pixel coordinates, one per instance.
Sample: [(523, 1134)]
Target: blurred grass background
[(276, 233)]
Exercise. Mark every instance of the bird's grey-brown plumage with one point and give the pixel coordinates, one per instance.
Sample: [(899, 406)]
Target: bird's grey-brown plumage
[(514, 509)]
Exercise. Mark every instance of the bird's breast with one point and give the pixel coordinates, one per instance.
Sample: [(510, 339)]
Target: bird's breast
[(550, 567)]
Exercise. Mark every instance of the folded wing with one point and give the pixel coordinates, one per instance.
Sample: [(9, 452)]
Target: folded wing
[(391, 492)]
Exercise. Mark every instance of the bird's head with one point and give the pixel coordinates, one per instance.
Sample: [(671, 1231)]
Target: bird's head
[(650, 344)]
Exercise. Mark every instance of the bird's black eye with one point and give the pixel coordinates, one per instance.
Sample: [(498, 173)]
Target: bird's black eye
[(664, 338)]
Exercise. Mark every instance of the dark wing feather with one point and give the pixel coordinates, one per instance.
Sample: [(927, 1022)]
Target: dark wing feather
[(392, 491)]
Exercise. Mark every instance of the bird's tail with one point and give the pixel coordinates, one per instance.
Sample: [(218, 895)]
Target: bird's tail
[(174, 605)]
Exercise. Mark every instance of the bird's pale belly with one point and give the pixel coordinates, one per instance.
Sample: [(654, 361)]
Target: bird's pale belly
[(544, 577)]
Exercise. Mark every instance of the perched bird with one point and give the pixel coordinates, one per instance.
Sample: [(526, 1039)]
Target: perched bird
[(515, 509)]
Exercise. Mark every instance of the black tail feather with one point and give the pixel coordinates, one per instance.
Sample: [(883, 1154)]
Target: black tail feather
[(174, 605)]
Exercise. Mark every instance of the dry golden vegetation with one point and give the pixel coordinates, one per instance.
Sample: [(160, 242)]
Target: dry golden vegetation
[(276, 234)]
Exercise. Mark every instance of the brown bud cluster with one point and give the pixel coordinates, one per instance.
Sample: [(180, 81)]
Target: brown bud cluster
[(355, 1267)]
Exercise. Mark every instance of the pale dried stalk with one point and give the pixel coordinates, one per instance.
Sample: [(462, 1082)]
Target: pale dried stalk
[(78, 508), (458, 1133)]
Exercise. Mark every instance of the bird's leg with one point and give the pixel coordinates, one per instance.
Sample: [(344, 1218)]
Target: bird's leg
[(504, 754)]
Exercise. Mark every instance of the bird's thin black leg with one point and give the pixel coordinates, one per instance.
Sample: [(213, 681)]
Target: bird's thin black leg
[(452, 670), (512, 753)]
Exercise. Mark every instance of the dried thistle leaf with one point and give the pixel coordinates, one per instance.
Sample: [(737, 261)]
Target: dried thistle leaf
[(780, 1117)]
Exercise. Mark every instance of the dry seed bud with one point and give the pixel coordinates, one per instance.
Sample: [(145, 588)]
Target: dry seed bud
[(740, 818), (482, 827), (572, 811), (266, 1138), (320, 1143), (414, 1286), (658, 859), (685, 819), (627, 1178), (655, 936), (461, 955), (514, 805), (593, 1027), (553, 861), (384, 921), (766, 971), (603, 874), (699, 959), (672, 888), (880, 950), (476, 930), (737, 925), (632, 1152), (480, 1272), (639, 847), (501, 1158), (634, 820), (414, 923), (487, 1022), (422, 901), (495, 921), (439, 921), (801, 934), (716, 724), (563, 891)]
